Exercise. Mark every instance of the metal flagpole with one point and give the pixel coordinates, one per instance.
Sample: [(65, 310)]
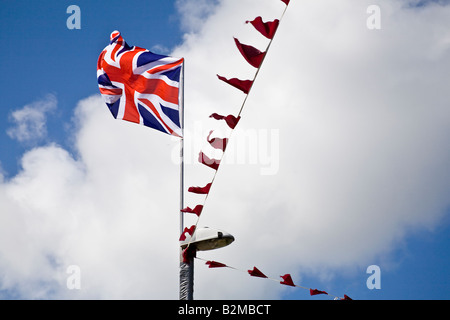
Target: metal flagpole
[(186, 268)]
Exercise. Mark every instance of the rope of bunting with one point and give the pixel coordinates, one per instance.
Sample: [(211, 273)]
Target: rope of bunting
[(287, 279), (255, 58)]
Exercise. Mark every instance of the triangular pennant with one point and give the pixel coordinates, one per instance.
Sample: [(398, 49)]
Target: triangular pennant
[(200, 190), (251, 54), (188, 253), (197, 210), (188, 230), (287, 280), (243, 85), (313, 292), (267, 29), (215, 264), (212, 163), (256, 273), (217, 143), (231, 120), (286, 1)]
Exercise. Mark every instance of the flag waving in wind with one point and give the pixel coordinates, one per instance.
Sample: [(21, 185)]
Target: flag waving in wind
[(140, 86)]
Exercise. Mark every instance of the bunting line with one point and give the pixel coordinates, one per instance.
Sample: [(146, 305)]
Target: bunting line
[(245, 86), (286, 279), (265, 55), (255, 58)]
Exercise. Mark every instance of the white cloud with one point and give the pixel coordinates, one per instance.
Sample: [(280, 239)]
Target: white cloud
[(30, 121), (194, 13), (362, 117), (363, 128), (97, 211)]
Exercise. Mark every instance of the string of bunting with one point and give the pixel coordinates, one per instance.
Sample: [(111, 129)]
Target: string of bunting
[(255, 58), (286, 279)]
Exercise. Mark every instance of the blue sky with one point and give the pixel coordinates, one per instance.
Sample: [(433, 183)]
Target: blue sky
[(43, 60)]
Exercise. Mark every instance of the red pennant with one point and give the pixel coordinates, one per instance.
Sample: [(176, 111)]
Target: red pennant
[(215, 264), (231, 121), (286, 1), (256, 273), (251, 54), (185, 256), (217, 143), (243, 85), (200, 190), (188, 254), (197, 210), (287, 280), (313, 292), (346, 297), (212, 163), (188, 230), (267, 29)]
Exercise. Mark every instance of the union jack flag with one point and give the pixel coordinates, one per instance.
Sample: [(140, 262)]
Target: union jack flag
[(140, 86)]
